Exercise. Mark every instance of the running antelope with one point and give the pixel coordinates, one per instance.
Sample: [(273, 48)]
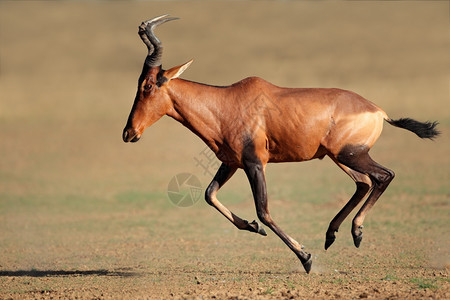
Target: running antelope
[(253, 122)]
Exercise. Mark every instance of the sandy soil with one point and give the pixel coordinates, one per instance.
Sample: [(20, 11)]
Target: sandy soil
[(83, 215)]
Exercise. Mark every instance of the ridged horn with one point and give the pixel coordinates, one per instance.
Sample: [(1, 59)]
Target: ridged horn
[(153, 44)]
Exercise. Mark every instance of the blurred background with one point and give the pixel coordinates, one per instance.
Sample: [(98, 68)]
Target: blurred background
[(73, 195)]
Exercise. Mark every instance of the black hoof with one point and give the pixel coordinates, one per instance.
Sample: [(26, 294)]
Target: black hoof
[(357, 240), (329, 242), (357, 236), (257, 228), (261, 231), (330, 237), (307, 264)]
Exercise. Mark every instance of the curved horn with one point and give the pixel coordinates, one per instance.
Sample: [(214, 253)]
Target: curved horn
[(153, 44)]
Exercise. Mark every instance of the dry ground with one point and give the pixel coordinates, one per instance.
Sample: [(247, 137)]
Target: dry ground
[(83, 215)]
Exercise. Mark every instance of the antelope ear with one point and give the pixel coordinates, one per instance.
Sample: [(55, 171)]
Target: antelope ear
[(176, 71)]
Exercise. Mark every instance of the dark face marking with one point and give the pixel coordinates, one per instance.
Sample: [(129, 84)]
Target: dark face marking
[(160, 78)]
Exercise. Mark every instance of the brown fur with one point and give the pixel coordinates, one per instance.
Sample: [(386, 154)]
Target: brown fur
[(253, 122), (286, 124)]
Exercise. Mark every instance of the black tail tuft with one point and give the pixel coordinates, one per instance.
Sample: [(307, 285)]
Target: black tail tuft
[(424, 130)]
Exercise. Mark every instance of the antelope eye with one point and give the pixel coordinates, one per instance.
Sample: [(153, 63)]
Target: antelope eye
[(147, 87)]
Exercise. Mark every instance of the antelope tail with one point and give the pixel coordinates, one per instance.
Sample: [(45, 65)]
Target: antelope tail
[(424, 130)]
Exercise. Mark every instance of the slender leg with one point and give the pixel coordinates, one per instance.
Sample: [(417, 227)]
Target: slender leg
[(255, 173), (380, 176), (223, 174), (363, 186)]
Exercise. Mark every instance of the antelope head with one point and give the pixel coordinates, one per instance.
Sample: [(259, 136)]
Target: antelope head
[(152, 99)]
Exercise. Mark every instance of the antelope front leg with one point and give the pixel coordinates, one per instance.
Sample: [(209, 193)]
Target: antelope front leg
[(255, 174), (223, 174)]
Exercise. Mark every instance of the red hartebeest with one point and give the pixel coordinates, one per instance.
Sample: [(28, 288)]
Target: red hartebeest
[(252, 123)]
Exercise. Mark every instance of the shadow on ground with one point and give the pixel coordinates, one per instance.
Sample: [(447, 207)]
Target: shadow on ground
[(48, 273)]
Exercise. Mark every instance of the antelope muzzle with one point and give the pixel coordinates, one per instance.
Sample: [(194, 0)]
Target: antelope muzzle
[(130, 135)]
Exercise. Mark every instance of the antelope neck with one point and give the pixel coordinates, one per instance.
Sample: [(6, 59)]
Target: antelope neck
[(198, 107)]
